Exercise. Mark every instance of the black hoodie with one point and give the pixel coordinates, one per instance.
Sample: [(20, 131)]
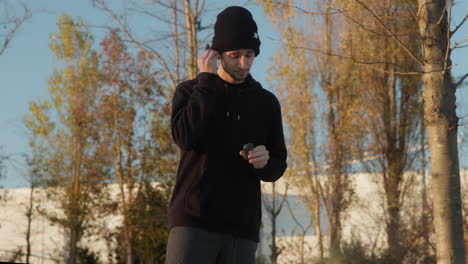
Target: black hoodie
[(216, 189)]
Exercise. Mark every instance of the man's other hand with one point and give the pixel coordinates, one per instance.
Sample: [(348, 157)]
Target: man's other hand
[(258, 157)]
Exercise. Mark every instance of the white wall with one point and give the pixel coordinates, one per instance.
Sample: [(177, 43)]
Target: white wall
[(364, 220)]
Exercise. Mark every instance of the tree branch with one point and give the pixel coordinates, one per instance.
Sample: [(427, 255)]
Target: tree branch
[(461, 47), (140, 45), (365, 63), (366, 28), (401, 44), (458, 44), (294, 217), (442, 13), (17, 22), (164, 5), (268, 208), (415, 16), (283, 198), (199, 10), (151, 14), (459, 25), (302, 10), (449, 14), (462, 79)]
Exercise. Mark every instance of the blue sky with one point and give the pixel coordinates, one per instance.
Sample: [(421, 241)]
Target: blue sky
[(27, 63)]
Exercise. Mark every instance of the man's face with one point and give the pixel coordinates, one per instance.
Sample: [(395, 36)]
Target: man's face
[(237, 63)]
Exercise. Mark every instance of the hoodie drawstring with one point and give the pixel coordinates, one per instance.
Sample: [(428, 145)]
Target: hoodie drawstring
[(234, 104), (230, 111)]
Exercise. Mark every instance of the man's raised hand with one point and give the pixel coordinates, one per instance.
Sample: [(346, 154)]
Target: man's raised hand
[(207, 61)]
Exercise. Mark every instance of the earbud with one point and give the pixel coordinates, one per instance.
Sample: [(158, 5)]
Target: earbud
[(245, 152)]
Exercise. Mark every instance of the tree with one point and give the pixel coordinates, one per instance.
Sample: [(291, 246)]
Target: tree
[(295, 75), (434, 19), (175, 52), (117, 109), (63, 132), (391, 114), (432, 61), (293, 78), (10, 23), (395, 70), (343, 104), (127, 113)]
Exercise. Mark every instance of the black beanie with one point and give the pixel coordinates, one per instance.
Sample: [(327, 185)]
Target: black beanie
[(235, 29)]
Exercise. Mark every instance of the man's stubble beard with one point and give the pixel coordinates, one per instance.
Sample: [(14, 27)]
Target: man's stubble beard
[(233, 73)]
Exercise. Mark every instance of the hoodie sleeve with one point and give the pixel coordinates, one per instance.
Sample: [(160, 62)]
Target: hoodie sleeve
[(276, 147), (192, 109)]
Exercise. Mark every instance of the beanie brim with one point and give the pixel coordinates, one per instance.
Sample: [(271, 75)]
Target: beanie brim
[(236, 43)]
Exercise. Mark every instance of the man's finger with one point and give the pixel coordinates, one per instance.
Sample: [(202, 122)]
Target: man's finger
[(209, 56), (204, 55), (258, 148), (213, 54), (258, 154), (259, 159)]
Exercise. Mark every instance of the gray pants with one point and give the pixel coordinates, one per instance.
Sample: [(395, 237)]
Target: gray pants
[(188, 245)]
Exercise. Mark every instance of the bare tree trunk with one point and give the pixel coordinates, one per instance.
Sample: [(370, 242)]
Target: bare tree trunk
[(175, 29), (303, 233), (314, 195), (73, 251), (122, 182), (337, 187), (29, 217), (318, 228), (273, 209), (130, 182), (425, 220), (273, 215), (394, 157), (393, 211), (315, 189), (274, 249), (442, 126), (74, 210), (129, 247), (191, 18)]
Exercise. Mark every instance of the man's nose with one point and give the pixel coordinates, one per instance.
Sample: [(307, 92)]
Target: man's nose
[(242, 62)]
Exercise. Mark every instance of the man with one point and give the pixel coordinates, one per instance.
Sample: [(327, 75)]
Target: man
[(215, 209)]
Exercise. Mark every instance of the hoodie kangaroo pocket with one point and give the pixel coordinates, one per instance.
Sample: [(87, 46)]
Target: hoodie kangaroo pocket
[(231, 203)]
